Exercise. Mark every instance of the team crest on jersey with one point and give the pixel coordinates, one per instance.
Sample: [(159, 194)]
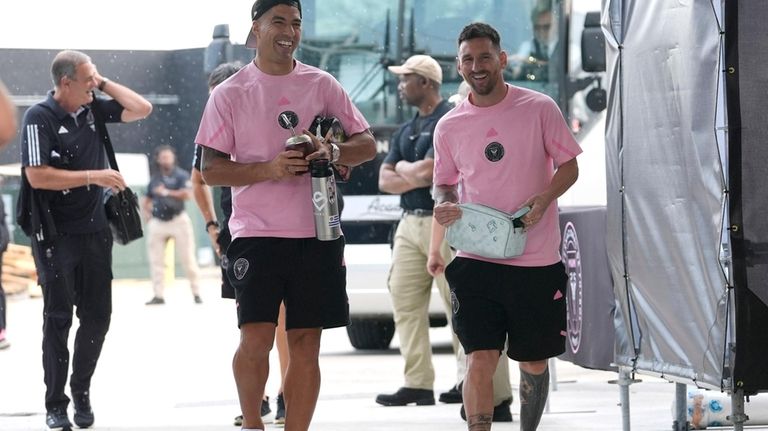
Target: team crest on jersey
[(240, 268), (494, 151), (288, 120)]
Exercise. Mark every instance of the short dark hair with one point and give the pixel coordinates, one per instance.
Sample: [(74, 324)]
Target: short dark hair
[(480, 30), (539, 8), (222, 72), (538, 11), (160, 148)]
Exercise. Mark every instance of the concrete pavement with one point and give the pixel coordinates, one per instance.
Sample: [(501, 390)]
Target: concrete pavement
[(168, 368)]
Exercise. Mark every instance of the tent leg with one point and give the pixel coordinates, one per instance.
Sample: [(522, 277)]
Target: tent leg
[(624, 381), (738, 416), (552, 380), (681, 414)]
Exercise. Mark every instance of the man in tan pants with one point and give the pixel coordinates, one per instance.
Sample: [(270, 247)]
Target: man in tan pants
[(407, 170), (165, 217)]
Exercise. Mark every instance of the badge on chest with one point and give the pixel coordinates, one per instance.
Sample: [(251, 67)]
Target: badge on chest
[(494, 151)]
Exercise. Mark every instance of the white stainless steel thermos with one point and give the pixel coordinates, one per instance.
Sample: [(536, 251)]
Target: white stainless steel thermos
[(324, 202)]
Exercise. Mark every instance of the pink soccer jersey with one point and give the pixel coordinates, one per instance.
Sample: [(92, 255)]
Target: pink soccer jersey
[(504, 154), (241, 118)]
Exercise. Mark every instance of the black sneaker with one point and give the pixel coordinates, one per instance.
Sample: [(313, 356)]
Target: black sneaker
[(501, 413), (83, 412), (155, 301), (405, 396), (280, 413), (265, 410), (453, 396), (56, 419), (199, 300)]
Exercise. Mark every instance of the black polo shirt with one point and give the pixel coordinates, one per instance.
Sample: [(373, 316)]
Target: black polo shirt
[(225, 202), (413, 142), (167, 207), (53, 137)]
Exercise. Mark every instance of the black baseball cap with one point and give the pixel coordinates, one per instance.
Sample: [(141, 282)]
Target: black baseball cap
[(260, 7)]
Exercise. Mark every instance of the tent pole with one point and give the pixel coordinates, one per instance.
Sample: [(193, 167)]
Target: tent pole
[(738, 416), (681, 408), (624, 381)]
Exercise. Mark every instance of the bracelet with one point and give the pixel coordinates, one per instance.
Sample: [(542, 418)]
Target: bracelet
[(88, 180), (211, 223), (103, 83)]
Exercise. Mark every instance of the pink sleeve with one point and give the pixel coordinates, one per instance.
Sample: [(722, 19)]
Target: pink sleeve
[(445, 172), (216, 126), (558, 139), (340, 106)]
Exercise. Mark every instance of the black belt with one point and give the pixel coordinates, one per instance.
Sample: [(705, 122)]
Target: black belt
[(419, 212)]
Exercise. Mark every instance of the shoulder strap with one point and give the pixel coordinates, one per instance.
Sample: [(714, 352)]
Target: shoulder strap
[(101, 125)]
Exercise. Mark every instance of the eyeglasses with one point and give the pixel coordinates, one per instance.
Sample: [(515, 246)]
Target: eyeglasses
[(538, 27)]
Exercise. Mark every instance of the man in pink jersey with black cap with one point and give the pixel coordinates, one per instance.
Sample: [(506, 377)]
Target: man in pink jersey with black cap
[(508, 148), (274, 255)]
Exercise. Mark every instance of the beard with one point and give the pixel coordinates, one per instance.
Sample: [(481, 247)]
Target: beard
[(485, 89)]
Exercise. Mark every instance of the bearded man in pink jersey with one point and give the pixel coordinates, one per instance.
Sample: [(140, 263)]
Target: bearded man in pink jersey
[(509, 148), (274, 255)]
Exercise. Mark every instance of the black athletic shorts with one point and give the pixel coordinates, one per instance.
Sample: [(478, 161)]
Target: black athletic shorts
[(227, 291), (307, 274), (526, 304)]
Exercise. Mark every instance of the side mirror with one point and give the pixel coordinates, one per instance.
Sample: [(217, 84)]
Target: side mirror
[(592, 44), (597, 99), (219, 51)]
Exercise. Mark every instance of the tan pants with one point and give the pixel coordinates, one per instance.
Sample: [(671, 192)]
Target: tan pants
[(158, 233), (410, 286)]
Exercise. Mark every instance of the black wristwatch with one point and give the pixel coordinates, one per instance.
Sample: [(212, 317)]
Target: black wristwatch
[(103, 83), (213, 223)]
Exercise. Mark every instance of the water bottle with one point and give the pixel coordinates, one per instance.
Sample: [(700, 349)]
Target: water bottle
[(325, 205)]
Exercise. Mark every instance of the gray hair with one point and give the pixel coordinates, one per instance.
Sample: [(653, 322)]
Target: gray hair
[(65, 64)]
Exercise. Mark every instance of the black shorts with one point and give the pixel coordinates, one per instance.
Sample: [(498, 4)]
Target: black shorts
[(307, 274), (227, 291), (526, 304)]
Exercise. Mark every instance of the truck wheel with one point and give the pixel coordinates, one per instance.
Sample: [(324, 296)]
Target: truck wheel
[(371, 334)]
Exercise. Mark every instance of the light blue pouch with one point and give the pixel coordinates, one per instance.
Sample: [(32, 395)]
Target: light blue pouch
[(488, 232)]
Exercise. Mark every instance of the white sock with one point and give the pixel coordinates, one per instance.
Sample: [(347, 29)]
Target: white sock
[(250, 429)]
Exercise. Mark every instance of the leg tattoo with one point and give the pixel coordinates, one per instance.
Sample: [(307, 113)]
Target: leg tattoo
[(481, 422), (533, 397)]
